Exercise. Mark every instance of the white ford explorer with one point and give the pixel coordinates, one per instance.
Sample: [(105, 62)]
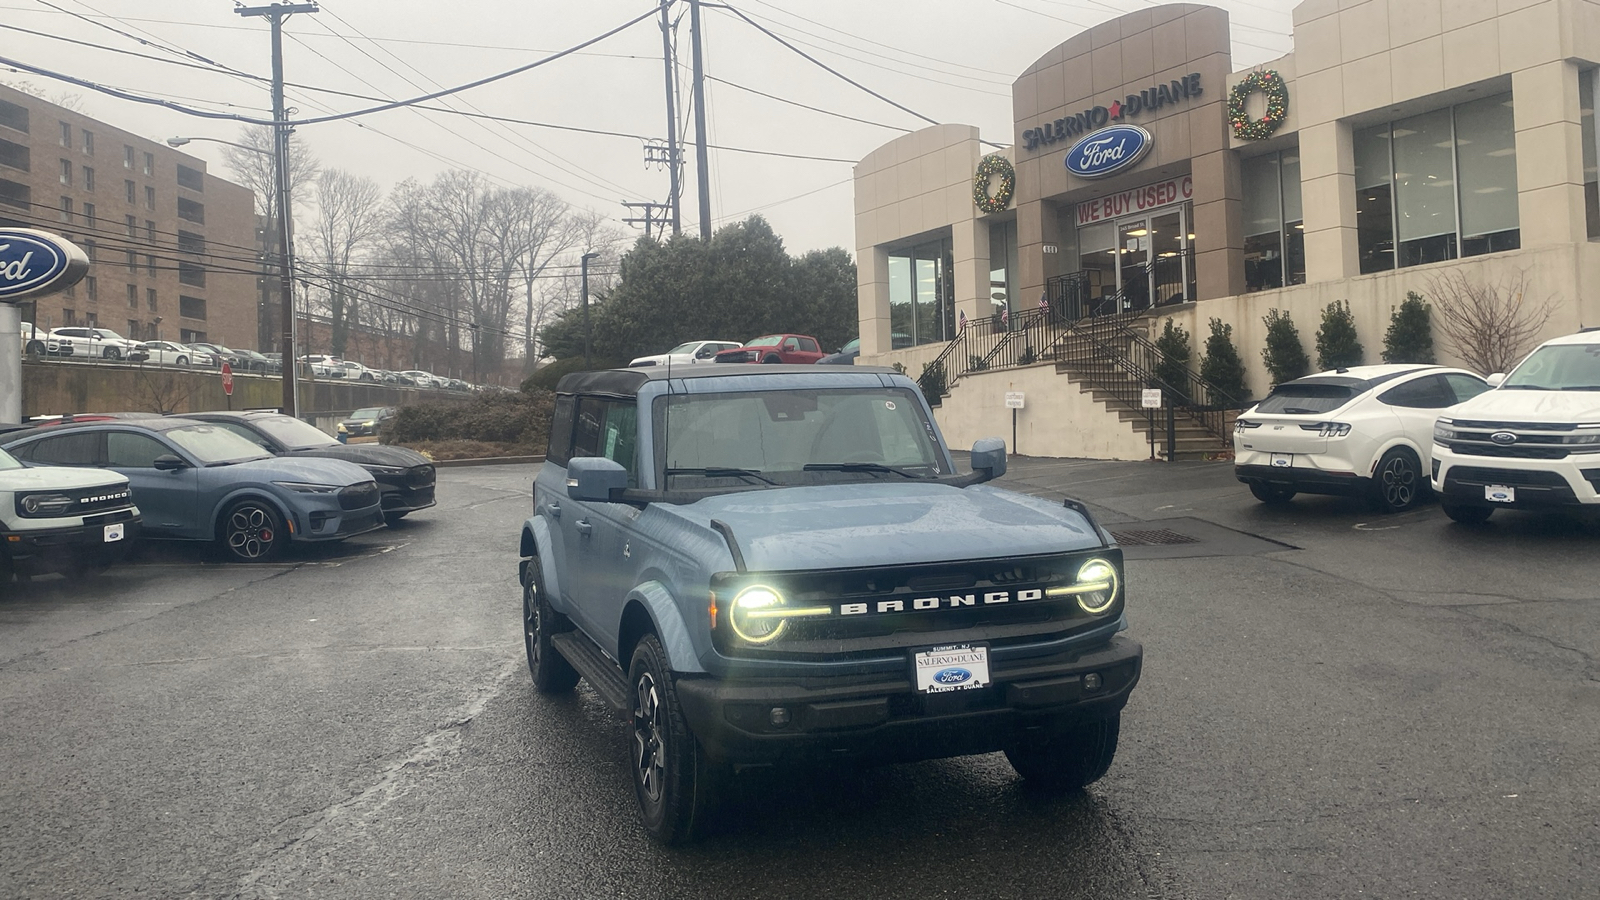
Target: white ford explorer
[(1531, 443)]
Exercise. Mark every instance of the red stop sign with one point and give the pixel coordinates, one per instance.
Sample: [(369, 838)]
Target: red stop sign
[(227, 379)]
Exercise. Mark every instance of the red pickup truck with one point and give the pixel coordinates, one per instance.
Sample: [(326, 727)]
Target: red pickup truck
[(795, 349)]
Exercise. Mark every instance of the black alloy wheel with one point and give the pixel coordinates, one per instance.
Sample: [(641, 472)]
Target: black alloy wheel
[(1467, 515), (112, 353), (252, 531), (674, 781), (1271, 494), (552, 674), (1070, 760), (1398, 483)]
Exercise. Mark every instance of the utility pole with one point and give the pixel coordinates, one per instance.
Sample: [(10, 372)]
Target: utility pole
[(672, 114), (277, 12), (649, 217), (702, 168), (585, 269)]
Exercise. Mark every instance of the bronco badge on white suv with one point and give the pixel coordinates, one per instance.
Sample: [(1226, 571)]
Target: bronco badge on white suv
[(1531, 443), (58, 519)]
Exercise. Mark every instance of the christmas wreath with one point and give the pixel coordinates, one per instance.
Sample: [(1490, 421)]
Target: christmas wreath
[(994, 164), (1271, 86)]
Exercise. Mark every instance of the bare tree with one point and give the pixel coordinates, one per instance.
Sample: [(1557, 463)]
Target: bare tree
[(1490, 325), (164, 392), (349, 223), (253, 164), (65, 99), (545, 229)]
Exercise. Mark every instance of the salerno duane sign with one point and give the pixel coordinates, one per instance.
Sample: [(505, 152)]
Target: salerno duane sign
[(1148, 100)]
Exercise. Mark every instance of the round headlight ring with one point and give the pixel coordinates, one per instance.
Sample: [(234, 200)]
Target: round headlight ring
[(30, 504), (1097, 571), (756, 630)]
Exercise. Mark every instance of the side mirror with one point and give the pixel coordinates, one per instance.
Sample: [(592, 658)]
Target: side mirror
[(1496, 379), (989, 457), (593, 478), (169, 463)]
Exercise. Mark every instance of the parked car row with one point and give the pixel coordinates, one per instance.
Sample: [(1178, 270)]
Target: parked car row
[(1396, 433), (792, 349), (251, 483)]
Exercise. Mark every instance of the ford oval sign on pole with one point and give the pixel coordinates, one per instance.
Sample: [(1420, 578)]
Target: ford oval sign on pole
[(1108, 150), (31, 263)]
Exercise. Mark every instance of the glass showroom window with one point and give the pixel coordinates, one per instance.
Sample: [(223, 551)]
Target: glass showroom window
[(922, 305), (1591, 173), (1274, 243), (1002, 265), (1437, 186)]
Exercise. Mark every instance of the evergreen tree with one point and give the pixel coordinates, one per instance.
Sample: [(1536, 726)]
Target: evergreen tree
[(1223, 367), (1337, 346), (1410, 335), (1173, 368), (1283, 356)]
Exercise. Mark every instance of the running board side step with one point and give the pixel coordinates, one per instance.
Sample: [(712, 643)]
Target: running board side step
[(605, 676)]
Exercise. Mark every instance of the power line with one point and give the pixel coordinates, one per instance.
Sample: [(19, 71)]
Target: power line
[(825, 112), (945, 64)]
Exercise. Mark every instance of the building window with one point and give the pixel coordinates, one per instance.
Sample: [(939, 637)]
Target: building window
[(91, 287), (191, 211), (1591, 177), (149, 163), (150, 298), (15, 117), (69, 318), (66, 209), (1274, 233), (66, 172), (14, 194), (150, 265), (149, 197), (66, 135), (127, 156), (193, 179), (129, 188), (1002, 267), (132, 225), (88, 178), (133, 261), (1437, 186), (91, 319), (190, 336), (88, 142), (150, 231), (134, 328), (189, 242), (89, 214), (133, 296), (16, 156), (191, 308), (191, 274), (90, 250), (922, 294)]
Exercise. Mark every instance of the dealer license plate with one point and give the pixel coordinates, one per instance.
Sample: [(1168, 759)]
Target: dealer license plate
[(115, 532), (945, 669), (1499, 493), (1282, 460)]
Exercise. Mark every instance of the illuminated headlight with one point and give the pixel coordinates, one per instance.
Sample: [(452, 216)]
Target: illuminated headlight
[(1095, 587), (46, 504), (757, 614)]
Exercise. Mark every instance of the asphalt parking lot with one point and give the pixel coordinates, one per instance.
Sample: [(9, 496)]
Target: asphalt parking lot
[(1335, 703)]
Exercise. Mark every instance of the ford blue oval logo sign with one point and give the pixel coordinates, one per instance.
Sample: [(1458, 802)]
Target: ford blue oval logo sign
[(1108, 150), (953, 676), (37, 262), (1503, 437)]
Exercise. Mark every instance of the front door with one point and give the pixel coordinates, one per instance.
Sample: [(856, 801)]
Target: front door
[(168, 500), (1146, 260)]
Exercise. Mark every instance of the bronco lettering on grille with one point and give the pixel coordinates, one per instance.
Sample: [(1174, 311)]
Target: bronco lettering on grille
[(950, 602)]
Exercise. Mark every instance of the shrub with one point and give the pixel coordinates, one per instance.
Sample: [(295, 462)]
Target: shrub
[(1337, 346), (1029, 356), (1223, 367), (932, 382), (1283, 356), (1410, 335), (521, 420), (546, 377), (976, 363), (1173, 368)]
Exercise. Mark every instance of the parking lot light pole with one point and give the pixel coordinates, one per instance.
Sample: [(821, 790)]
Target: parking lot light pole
[(584, 267)]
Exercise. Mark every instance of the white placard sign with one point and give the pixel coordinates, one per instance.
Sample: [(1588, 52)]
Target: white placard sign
[(1013, 399), (1150, 398)]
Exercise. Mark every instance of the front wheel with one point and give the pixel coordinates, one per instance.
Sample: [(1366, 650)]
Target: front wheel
[(1271, 494), (552, 674), (1070, 760), (674, 781), (251, 531), (1398, 483), (1467, 515)]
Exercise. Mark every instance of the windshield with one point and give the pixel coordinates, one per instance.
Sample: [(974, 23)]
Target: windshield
[(292, 433), (1305, 399), (371, 412), (684, 348), (7, 461), (869, 431), (1559, 367), (770, 340), (212, 445)]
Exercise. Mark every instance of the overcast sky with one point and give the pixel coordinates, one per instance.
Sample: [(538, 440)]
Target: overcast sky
[(949, 60)]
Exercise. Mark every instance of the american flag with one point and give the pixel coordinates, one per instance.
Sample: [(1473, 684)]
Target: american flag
[(963, 320), (1004, 316), (1044, 302)]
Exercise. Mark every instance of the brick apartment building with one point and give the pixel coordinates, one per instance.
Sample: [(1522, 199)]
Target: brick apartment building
[(173, 249)]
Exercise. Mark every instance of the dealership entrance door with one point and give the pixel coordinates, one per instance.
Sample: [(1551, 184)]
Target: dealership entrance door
[(1136, 262)]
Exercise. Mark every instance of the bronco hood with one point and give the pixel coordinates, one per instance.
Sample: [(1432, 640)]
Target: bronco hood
[(857, 525), (1542, 407)]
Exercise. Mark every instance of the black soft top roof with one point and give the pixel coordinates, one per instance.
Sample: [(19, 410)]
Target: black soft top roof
[(626, 382)]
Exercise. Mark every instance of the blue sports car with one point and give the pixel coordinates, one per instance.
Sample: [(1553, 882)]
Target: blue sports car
[(199, 482)]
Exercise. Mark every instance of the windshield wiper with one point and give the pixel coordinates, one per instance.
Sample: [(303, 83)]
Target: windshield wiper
[(860, 467), (720, 472), (1582, 387), (1526, 387)]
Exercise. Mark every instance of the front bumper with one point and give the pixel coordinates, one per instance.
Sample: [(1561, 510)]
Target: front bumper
[(883, 719), (46, 550), (1461, 479), (404, 498), (332, 524)]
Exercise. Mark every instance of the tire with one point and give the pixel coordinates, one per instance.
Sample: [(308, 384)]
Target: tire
[(1070, 760), (251, 531), (674, 781), (35, 348), (182, 361), (111, 353), (772, 360), (1467, 515), (552, 674), (1271, 495), (1397, 485)]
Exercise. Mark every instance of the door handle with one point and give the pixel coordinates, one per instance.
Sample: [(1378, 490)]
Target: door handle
[(555, 510), (583, 526)]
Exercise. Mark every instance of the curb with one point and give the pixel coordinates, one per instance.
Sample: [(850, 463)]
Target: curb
[(487, 461)]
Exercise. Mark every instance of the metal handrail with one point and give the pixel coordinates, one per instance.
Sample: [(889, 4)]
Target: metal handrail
[(1193, 395)]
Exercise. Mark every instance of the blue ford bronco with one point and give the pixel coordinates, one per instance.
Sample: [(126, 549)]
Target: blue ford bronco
[(769, 565)]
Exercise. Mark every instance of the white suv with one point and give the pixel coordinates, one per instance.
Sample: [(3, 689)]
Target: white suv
[(1531, 443), (92, 342), (57, 519)]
